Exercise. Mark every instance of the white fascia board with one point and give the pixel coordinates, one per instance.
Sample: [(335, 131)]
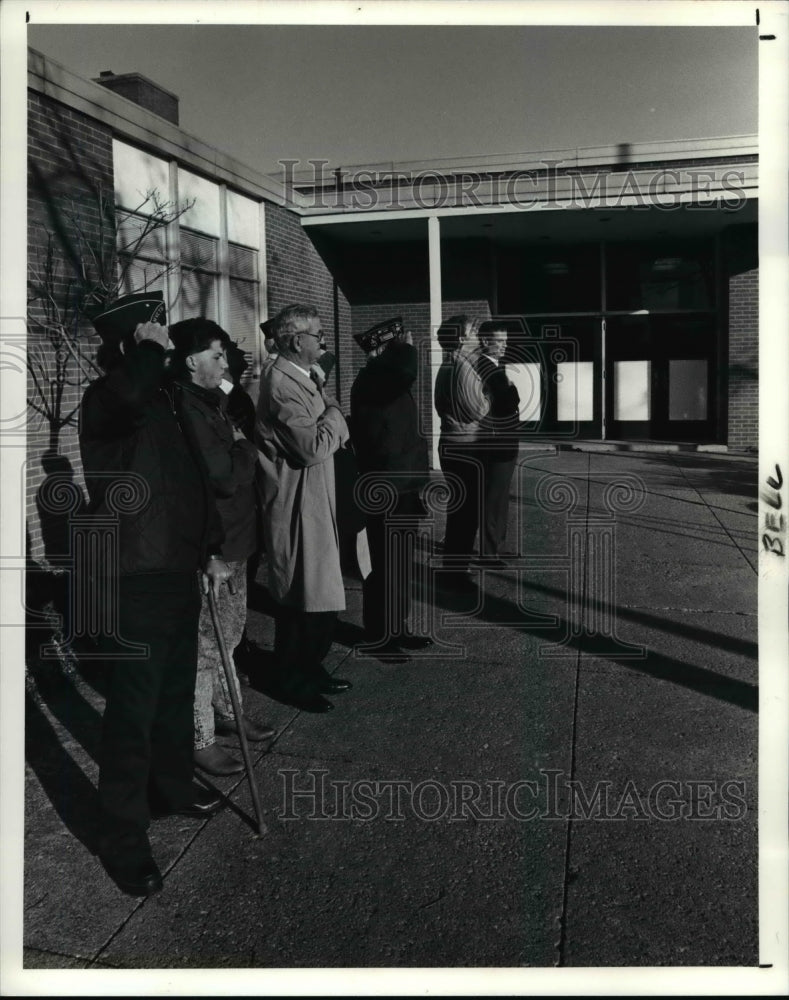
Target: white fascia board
[(710, 148), (662, 189)]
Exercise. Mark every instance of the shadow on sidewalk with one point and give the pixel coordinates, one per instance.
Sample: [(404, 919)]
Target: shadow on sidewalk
[(502, 613), (65, 784)]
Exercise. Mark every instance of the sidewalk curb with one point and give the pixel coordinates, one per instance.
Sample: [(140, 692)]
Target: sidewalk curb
[(646, 448)]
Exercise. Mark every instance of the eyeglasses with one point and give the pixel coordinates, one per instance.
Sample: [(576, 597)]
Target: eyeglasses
[(306, 333)]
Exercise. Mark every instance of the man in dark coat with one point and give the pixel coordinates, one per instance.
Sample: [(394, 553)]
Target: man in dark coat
[(498, 440), (199, 365), (387, 442), (143, 469)]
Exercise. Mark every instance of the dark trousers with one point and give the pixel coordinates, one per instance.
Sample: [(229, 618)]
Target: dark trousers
[(386, 592), (462, 523), (148, 729), (301, 641), (497, 477)]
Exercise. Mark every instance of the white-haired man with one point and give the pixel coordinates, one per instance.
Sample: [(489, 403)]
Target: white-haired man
[(299, 428)]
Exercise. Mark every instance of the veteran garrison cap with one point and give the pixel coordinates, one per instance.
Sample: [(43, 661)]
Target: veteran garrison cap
[(121, 319), (381, 333)]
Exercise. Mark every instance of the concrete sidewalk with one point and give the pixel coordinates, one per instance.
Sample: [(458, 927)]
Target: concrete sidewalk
[(567, 779)]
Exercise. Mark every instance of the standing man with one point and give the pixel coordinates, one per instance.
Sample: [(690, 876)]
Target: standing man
[(299, 428), (387, 441), (136, 446), (461, 404), (199, 364), (498, 440)]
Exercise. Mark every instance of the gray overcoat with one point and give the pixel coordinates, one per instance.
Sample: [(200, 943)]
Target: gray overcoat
[(297, 436)]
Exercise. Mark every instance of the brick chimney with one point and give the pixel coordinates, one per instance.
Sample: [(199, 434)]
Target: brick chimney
[(138, 88)]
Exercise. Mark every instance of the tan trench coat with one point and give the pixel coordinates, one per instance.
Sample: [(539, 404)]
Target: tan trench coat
[(297, 435)]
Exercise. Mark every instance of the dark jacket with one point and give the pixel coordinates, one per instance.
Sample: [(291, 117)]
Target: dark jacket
[(384, 420), (130, 423), (230, 465), (499, 429)]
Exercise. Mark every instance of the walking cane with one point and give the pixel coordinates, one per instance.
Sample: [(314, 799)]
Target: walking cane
[(242, 736)]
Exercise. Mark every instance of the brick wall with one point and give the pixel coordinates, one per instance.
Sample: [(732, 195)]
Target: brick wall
[(296, 272), (69, 172), (416, 318), (743, 370)]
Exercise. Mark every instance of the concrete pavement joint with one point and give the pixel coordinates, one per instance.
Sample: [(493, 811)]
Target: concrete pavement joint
[(561, 943), (59, 954), (710, 508)]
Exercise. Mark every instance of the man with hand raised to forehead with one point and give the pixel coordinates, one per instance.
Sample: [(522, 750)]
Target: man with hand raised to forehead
[(299, 428), (133, 438)]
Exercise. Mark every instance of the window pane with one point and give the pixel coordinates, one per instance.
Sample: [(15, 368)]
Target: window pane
[(243, 317), (575, 391), (137, 236), (243, 220), (687, 390), (136, 174), (198, 251), (204, 196), (197, 295), (141, 276), (243, 263), (660, 276), (632, 398), (555, 280)]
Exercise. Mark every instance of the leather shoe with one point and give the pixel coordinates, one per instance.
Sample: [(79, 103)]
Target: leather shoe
[(214, 760), (414, 641), (333, 685), (253, 731), (204, 804), (309, 702), (134, 876)]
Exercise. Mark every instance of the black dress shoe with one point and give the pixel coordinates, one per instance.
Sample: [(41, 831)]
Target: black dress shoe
[(316, 704), (253, 731), (414, 641), (333, 685), (134, 876), (215, 760), (203, 804)]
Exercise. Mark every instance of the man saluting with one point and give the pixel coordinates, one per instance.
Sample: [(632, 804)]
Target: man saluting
[(132, 437)]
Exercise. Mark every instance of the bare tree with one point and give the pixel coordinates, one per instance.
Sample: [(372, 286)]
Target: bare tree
[(78, 273)]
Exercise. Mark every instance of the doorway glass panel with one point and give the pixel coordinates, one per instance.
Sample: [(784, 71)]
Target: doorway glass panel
[(575, 391), (687, 390), (632, 390)]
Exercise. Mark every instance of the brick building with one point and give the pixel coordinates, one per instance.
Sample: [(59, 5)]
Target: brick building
[(630, 272)]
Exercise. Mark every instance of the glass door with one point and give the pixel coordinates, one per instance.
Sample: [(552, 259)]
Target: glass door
[(556, 363), (661, 378)]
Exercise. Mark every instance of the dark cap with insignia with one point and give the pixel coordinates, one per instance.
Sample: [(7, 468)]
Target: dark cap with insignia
[(381, 333), (119, 320)]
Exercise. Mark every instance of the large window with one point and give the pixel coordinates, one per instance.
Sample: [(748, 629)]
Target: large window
[(660, 277), (206, 260), (549, 280)]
